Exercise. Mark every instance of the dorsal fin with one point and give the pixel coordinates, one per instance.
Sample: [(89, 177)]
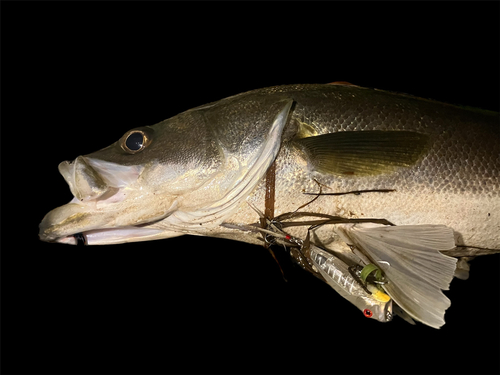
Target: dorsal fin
[(342, 83)]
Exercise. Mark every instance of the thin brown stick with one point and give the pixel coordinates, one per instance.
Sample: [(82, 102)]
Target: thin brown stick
[(270, 185), (355, 192)]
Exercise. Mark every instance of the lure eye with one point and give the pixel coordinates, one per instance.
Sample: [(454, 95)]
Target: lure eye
[(367, 313), (136, 140)]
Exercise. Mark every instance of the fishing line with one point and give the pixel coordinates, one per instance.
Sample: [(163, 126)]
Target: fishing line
[(355, 192)]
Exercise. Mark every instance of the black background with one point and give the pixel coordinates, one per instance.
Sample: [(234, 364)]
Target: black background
[(76, 76)]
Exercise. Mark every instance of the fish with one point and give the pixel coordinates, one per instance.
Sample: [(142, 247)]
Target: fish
[(407, 185)]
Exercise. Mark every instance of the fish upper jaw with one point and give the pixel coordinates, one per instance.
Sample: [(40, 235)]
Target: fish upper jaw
[(83, 180), (89, 178)]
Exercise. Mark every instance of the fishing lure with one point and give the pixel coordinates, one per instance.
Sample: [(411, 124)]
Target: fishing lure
[(347, 281), (370, 300)]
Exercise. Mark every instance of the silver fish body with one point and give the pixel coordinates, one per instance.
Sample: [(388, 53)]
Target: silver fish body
[(455, 183), (419, 164)]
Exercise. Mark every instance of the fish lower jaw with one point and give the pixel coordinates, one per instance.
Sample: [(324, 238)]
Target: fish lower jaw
[(116, 235), (110, 224)]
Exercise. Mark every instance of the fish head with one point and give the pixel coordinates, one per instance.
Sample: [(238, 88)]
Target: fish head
[(140, 179), (176, 177)]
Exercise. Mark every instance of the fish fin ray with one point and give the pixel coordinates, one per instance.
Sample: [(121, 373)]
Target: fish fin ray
[(415, 269), (363, 152)]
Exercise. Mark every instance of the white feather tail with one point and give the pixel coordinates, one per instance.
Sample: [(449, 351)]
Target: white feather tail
[(415, 269)]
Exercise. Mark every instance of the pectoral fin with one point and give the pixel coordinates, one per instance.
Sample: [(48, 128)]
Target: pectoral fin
[(363, 152), (413, 265)]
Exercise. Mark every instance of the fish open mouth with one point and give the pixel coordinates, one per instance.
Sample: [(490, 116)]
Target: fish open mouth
[(94, 216)]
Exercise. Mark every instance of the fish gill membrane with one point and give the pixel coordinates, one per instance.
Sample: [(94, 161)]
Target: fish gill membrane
[(194, 173)]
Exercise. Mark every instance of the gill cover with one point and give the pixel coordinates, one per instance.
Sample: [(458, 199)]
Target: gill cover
[(242, 184)]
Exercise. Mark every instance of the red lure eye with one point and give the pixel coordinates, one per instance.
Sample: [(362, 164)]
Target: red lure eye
[(367, 313)]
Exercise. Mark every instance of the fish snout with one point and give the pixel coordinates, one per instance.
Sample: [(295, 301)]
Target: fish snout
[(84, 181)]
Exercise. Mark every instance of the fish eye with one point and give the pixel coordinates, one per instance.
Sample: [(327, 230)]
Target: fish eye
[(368, 313), (136, 140)]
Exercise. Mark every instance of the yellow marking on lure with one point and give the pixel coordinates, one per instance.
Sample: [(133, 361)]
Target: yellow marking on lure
[(378, 294)]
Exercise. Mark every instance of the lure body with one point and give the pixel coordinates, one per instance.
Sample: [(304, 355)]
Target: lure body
[(336, 273)]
